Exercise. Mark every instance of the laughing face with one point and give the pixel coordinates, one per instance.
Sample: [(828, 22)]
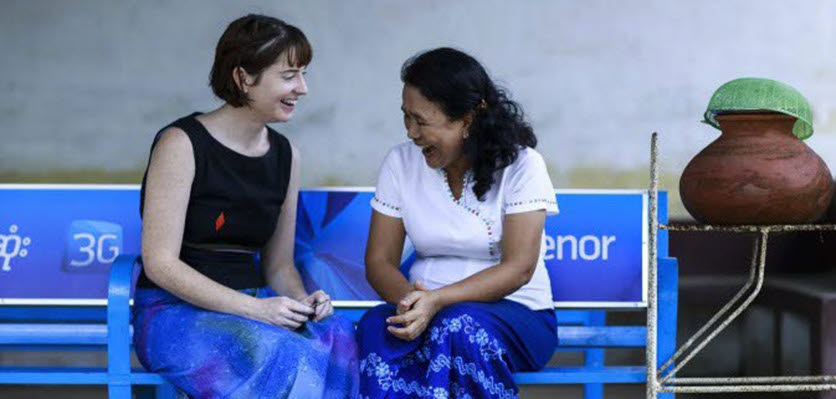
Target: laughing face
[(441, 139), (277, 90)]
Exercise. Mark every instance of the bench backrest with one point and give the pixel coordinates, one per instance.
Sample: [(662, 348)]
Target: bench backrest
[(57, 243)]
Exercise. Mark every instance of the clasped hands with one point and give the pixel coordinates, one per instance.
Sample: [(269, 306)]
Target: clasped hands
[(287, 312), (414, 313)]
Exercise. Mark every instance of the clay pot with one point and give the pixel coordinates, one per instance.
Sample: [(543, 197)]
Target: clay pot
[(756, 172)]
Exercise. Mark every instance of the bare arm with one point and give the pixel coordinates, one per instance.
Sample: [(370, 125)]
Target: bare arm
[(383, 257), (168, 184), (277, 256)]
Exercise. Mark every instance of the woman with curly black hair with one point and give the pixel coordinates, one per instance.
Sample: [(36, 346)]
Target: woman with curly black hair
[(472, 195)]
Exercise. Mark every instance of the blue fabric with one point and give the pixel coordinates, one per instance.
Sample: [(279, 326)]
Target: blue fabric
[(207, 354), (469, 350)]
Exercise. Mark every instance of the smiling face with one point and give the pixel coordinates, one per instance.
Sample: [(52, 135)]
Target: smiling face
[(275, 93), (441, 139)]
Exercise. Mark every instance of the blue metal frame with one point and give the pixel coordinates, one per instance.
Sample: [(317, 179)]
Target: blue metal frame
[(579, 330), (119, 333), (668, 294), (52, 314), (115, 336), (118, 328)]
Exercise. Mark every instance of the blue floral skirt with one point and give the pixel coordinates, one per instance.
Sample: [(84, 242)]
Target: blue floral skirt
[(207, 354), (469, 350)]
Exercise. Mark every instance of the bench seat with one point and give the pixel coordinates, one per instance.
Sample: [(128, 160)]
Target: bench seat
[(71, 376), (96, 334)]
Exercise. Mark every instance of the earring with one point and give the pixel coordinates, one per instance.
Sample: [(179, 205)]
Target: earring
[(466, 135)]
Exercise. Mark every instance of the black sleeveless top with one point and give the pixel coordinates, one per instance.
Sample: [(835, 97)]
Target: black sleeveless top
[(235, 203)]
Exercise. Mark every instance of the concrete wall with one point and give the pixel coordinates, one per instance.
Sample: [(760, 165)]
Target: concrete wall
[(86, 83)]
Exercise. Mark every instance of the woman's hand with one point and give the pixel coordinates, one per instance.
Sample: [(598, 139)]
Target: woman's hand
[(415, 311), (281, 311), (321, 303)]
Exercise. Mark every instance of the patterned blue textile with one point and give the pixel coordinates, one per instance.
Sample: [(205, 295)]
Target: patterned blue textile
[(207, 354), (469, 350)]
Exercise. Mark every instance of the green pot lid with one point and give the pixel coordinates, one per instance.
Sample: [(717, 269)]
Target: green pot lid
[(757, 94)]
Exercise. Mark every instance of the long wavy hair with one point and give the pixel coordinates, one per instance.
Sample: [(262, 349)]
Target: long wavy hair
[(460, 86)]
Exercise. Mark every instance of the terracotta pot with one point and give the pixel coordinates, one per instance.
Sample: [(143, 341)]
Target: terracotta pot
[(757, 172)]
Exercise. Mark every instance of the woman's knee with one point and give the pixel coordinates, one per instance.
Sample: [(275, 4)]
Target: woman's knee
[(458, 326), (374, 320), (448, 314)]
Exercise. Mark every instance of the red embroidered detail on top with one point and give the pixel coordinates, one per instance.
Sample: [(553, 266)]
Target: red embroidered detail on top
[(219, 222)]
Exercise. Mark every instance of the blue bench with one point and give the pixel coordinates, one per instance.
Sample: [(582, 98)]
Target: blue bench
[(29, 325)]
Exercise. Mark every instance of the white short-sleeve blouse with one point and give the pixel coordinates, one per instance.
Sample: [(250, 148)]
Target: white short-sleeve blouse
[(456, 239)]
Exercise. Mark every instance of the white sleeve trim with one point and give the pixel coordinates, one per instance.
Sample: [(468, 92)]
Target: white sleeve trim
[(385, 208), (549, 205)]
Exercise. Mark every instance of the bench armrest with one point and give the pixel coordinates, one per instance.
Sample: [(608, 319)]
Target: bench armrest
[(668, 268), (119, 315)]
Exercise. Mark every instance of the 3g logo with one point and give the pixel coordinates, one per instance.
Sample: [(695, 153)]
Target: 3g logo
[(92, 245)]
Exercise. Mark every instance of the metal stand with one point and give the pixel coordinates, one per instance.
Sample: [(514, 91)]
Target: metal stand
[(664, 378)]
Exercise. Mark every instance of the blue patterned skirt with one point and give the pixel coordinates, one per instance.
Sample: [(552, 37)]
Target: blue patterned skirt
[(469, 350), (207, 354)]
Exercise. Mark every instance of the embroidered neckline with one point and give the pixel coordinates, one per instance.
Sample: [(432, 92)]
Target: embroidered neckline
[(466, 178), (464, 202)]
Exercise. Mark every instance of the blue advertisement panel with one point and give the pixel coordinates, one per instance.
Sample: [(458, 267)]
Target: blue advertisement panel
[(595, 247), (58, 242), (331, 231)]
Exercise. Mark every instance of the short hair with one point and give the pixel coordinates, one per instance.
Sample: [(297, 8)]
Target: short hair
[(254, 42)]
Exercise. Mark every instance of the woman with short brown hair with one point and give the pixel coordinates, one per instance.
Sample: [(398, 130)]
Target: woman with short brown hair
[(219, 193)]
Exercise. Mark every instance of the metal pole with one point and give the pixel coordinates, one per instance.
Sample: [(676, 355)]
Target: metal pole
[(652, 305), (752, 380), (748, 388), (777, 228)]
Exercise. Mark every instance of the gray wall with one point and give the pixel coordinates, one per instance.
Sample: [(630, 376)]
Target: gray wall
[(87, 83)]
